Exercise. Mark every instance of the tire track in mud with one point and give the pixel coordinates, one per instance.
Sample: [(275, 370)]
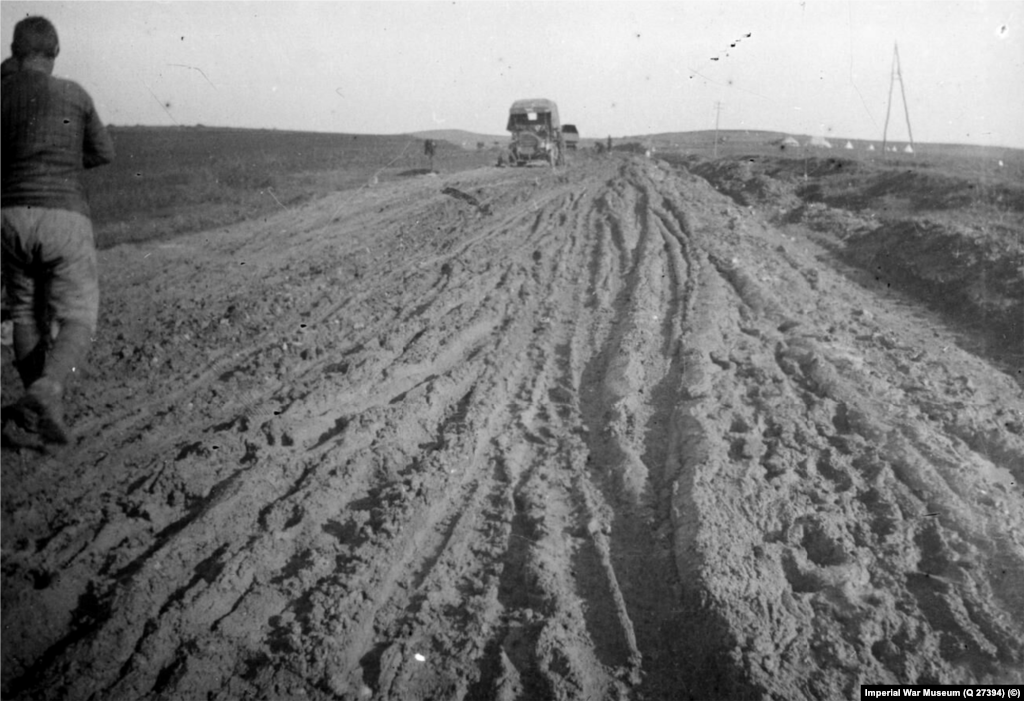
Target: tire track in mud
[(604, 439), (840, 460), (169, 619)]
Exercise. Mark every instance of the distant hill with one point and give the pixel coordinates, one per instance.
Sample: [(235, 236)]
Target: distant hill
[(466, 139)]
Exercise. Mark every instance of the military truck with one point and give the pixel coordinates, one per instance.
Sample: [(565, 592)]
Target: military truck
[(570, 136), (536, 133)]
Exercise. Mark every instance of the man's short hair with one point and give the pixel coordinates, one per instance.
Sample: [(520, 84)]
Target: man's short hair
[(35, 36)]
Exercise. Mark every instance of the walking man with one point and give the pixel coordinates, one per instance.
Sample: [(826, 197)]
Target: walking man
[(51, 133)]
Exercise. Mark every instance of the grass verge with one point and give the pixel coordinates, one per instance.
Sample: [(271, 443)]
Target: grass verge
[(168, 181)]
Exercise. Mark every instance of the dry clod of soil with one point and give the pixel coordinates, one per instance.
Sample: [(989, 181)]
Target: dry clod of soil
[(585, 433)]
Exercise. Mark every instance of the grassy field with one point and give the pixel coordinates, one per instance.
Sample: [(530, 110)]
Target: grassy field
[(169, 180)]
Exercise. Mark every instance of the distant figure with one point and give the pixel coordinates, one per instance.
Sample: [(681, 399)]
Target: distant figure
[(609, 142), (51, 132), (429, 146)]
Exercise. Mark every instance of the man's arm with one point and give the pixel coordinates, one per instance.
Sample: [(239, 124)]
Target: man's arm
[(98, 148)]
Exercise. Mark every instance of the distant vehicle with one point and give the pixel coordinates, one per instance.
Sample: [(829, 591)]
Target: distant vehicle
[(536, 133), (570, 136)]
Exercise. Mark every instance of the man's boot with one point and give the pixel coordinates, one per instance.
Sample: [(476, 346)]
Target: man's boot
[(45, 396), (42, 409)]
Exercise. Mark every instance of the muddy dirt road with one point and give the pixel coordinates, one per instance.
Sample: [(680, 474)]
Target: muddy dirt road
[(515, 434)]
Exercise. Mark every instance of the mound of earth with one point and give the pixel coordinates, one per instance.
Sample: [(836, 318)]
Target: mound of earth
[(585, 433)]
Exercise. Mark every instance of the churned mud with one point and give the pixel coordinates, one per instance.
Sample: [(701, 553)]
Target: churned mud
[(599, 432)]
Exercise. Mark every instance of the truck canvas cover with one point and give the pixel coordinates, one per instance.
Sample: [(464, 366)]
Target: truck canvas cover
[(533, 106)]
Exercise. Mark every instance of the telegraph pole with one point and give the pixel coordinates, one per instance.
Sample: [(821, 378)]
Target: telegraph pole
[(896, 73)]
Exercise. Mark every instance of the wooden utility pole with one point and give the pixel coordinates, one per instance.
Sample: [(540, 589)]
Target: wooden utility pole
[(896, 73)]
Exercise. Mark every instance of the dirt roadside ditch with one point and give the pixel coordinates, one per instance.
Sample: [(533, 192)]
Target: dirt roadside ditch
[(600, 432)]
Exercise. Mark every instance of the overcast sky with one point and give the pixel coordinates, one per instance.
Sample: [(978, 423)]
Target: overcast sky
[(614, 68)]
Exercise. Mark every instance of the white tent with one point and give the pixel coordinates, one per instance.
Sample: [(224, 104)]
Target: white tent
[(789, 142), (849, 145), (908, 149), (871, 147), (819, 142)]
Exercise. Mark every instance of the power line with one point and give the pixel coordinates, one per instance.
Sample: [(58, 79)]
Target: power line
[(896, 73)]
